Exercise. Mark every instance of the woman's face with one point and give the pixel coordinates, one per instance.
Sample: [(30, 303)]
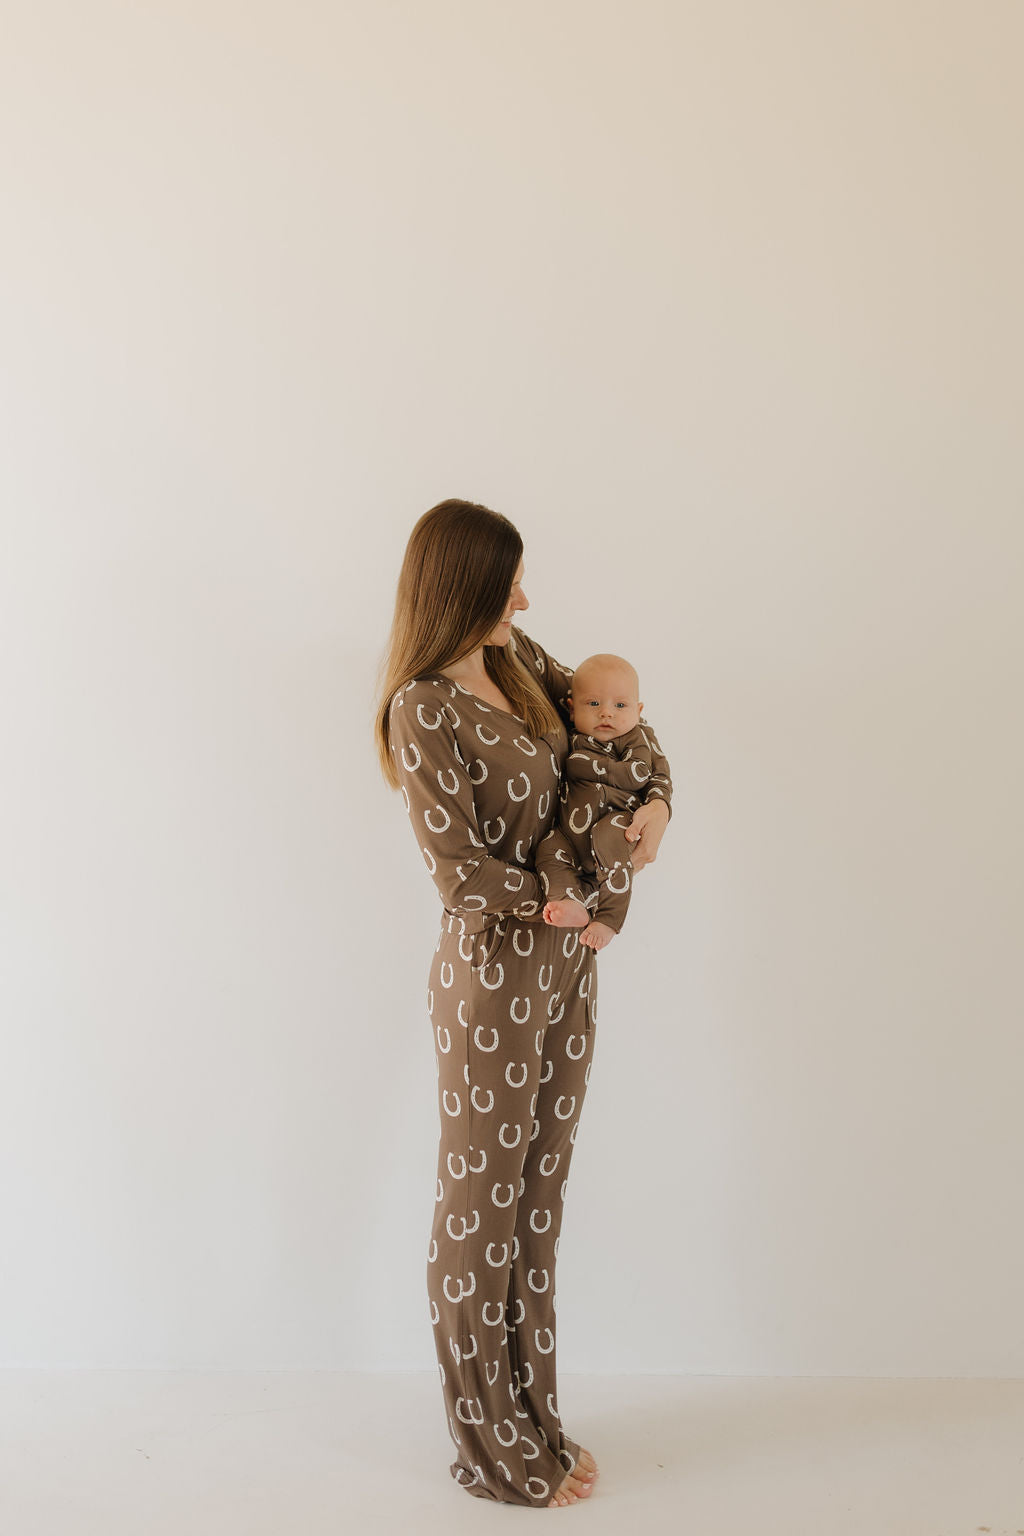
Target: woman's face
[(516, 602)]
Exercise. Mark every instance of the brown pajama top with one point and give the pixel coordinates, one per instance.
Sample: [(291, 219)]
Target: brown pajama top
[(604, 783), (512, 1003)]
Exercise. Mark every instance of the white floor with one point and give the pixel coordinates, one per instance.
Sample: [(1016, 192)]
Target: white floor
[(140, 1453)]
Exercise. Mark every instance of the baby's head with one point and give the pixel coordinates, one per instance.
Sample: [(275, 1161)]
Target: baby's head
[(605, 699)]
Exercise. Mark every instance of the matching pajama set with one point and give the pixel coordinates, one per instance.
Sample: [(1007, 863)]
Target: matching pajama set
[(512, 1004), (604, 783)]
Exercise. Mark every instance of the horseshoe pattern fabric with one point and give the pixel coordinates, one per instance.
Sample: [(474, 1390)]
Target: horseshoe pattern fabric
[(512, 1005), (604, 783)]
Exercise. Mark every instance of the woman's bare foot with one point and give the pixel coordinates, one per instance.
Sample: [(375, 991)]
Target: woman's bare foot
[(566, 913), (597, 935), (578, 1484)]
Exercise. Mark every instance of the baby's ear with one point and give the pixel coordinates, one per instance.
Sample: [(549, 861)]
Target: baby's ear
[(569, 706)]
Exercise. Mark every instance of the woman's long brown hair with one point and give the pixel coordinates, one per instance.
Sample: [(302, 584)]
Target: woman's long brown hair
[(453, 589)]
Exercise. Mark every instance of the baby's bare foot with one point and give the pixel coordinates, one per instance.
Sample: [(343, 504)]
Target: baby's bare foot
[(597, 935), (566, 913)]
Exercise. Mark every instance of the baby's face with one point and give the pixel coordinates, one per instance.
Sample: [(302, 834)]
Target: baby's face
[(604, 701)]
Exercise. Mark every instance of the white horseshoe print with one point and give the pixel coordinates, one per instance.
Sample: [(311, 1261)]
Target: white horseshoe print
[(644, 772), (478, 1167), (458, 1013), (451, 1165), (492, 986), (569, 1111), (430, 1002), (432, 1251), (534, 1225), (458, 1103), (534, 1451), (440, 1193), (575, 1055), (469, 1417), (428, 725), (501, 1135), (546, 1078), (477, 778), (538, 1487), (508, 1075), (446, 965), (512, 1010), (586, 824), (465, 938), (543, 803), (540, 1289), (511, 792), (483, 1108), (537, 1335), (411, 767), (502, 1203), (518, 947), (478, 1040), (539, 1041), (497, 1263), (554, 1157), (487, 836), (430, 860), (446, 823), (490, 1382), (617, 889), (569, 948), (462, 1293), (551, 1405), (435, 1313), (460, 1237), (486, 736), (544, 985), (444, 1049), (500, 1311), (442, 775), (525, 745), (514, 1433)]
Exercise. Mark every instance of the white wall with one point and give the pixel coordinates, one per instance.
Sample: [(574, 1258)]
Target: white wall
[(721, 303)]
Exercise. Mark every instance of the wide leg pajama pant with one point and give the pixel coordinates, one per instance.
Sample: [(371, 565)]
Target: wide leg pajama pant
[(513, 1009)]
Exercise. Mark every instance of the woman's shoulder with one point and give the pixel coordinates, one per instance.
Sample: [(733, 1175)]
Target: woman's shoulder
[(430, 692), (556, 676)]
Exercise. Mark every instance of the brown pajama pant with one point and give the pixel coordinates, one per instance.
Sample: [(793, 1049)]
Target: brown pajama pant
[(513, 1010)]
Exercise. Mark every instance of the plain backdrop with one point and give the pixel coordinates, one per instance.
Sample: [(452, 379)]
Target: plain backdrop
[(718, 300)]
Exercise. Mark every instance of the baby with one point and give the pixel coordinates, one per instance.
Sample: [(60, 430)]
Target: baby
[(614, 765)]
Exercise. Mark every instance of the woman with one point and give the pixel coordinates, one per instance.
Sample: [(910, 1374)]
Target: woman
[(469, 728)]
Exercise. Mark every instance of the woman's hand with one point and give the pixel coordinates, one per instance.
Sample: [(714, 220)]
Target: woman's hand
[(646, 831)]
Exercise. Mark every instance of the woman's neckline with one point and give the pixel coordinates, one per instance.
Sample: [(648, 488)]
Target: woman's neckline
[(484, 703)]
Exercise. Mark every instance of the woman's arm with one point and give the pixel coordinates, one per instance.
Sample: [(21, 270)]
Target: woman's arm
[(556, 678), (438, 795), (650, 819)]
